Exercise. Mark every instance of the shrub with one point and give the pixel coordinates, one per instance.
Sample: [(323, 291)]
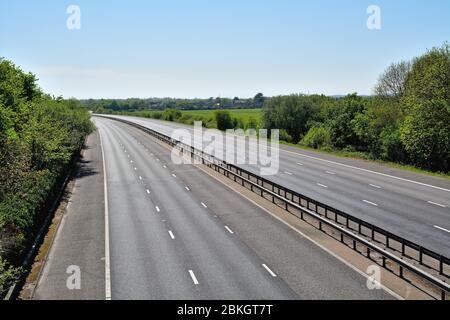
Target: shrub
[(8, 275), (224, 120), (171, 115), (317, 138)]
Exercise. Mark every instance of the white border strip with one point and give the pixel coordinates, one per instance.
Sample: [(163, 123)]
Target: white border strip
[(107, 253), (366, 170)]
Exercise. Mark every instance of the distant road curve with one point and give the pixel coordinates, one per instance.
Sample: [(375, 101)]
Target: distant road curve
[(412, 205)]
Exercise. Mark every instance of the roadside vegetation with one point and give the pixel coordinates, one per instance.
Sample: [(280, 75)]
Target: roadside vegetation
[(406, 121), (39, 137), (220, 119)]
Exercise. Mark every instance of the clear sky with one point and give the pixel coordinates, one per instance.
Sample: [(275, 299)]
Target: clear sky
[(204, 48)]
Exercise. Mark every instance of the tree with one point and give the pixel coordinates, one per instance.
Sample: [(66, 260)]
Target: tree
[(292, 113), (426, 130), (317, 138), (339, 119), (426, 135), (224, 120), (392, 82), (377, 127), (429, 77), (258, 100)]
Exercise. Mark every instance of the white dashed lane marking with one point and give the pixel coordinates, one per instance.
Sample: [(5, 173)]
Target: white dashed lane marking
[(269, 271), (437, 204), (375, 186), (171, 235), (229, 230), (443, 229), (193, 277), (157, 209), (371, 203), (204, 205), (322, 185)]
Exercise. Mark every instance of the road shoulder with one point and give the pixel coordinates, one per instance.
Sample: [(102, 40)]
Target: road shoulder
[(75, 241)]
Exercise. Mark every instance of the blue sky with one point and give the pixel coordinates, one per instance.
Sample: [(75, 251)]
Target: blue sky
[(204, 48)]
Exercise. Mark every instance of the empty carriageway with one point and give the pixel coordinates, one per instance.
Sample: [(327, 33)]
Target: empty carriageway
[(176, 233), (408, 204)]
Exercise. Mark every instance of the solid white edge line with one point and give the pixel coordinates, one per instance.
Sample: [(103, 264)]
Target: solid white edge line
[(437, 204), (171, 235), (366, 170), (342, 260), (371, 203), (443, 229), (229, 230), (268, 270), (107, 252), (193, 277)]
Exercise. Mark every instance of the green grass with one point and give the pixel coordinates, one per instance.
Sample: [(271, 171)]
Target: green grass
[(245, 114)]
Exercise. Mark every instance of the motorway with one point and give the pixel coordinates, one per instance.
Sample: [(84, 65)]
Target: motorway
[(176, 233), (411, 205)]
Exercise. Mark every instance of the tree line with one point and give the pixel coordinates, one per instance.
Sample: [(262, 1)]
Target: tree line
[(161, 104), (39, 137), (406, 121)]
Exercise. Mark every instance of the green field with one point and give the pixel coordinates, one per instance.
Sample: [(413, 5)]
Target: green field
[(244, 114)]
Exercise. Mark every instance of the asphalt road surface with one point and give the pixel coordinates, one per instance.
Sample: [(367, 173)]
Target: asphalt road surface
[(411, 205), (176, 233)]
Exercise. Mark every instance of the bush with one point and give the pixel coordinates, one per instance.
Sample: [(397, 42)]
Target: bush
[(426, 135), (284, 136), (171, 115), (252, 124), (8, 275), (224, 120), (317, 138), (39, 135)]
